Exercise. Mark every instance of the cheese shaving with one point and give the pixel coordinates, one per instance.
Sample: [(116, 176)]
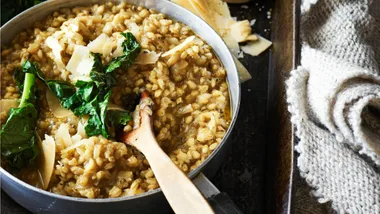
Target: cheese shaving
[(56, 49), (119, 48), (102, 44), (232, 44), (147, 57), (80, 64), (219, 7), (62, 136), (252, 37), (135, 30), (241, 30), (55, 106), (257, 47), (46, 160), (181, 47), (243, 72)]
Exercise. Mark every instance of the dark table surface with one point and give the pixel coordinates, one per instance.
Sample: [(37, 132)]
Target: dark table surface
[(242, 175)]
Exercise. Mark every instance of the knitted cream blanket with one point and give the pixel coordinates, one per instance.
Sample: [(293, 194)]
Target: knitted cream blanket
[(334, 99)]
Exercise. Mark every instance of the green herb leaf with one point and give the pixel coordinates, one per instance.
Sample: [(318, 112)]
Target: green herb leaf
[(98, 74), (60, 89), (96, 124), (18, 143), (131, 49)]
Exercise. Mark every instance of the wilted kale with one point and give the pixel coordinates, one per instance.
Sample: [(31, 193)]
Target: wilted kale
[(19, 145), (131, 49)]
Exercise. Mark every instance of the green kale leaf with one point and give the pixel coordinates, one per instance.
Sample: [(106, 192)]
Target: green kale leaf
[(18, 141), (131, 49)]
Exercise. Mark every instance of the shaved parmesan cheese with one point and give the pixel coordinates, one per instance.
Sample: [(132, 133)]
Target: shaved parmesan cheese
[(46, 160), (257, 47), (7, 104), (135, 30), (56, 48), (252, 37), (181, 47), (119, 48), (80, 130), (186, 4), (80, 64), (236, 1), (220, 7), (102, 44), (223, 24), (232, 44), (241, 30), (62, 136), (201, 7), (55, 106), (243, 72), (241, 55), (147, 57)]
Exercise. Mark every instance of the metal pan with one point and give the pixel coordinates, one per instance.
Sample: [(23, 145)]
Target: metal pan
[(40, 201)]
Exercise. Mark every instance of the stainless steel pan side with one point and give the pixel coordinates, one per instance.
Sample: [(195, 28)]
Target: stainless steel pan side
[(37, 200)]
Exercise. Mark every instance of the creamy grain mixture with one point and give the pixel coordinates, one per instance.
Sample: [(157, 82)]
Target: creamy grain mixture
[(191, 101)]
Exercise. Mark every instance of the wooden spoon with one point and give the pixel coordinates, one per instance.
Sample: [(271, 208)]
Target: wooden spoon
[(179, 191)]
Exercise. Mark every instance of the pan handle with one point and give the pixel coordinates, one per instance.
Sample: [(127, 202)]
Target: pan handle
[(219, 201)]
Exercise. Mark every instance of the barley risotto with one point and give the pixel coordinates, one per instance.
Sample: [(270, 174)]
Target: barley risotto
[(132, 49)]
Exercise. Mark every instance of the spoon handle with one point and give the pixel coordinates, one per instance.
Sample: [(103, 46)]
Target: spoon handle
[(179, 191)]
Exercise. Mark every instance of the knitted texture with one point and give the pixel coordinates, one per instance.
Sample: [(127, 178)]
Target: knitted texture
[(334, 99)]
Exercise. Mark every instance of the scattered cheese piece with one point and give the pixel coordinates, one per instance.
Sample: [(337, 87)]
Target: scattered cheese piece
[(252, 37), (219, 7), (185, 44), (135, 30), (56, 48), (46, 160), (80, 64), (80, 130), (55, 106), (201, 9), (7, 104), (241, 30), (243, 72), (257, 47), (236, 1), (147, 57), (62, 136), (102, 44), (119, 48), (232, 44), (223, 24)]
